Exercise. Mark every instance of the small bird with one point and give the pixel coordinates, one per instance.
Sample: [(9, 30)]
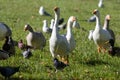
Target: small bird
[(59, 65), (8, 71), (42, 12), (27, 53), (9, 45)]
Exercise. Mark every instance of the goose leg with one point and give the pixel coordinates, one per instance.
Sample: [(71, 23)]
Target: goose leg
[(66, 61), (99, 49)]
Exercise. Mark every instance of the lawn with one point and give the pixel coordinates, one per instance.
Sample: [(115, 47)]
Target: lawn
[(85, 62)]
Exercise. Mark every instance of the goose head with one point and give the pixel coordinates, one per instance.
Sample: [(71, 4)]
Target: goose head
[(28, 27), (72, 19), (108, 17), (96, 12), (57, 10)]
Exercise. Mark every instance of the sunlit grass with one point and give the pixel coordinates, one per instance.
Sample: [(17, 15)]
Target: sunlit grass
[(85, 62)]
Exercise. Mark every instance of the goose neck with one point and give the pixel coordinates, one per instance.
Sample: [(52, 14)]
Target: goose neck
[(98, 22), (69, 28), (106, 24)]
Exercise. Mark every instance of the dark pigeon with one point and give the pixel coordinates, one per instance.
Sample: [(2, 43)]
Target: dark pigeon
[(8, 71), (9, 45), (59, 65)]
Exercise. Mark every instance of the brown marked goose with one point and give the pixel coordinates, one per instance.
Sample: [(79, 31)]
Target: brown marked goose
[(69, 35), (4, 31), (35, 39), (100, 35), (106, 27), (58, 43)]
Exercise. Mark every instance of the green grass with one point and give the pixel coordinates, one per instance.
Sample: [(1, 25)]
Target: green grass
[(85, 62)]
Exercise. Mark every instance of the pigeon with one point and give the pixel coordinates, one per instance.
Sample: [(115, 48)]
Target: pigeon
[(8, 71), (59, 65), (21, 45), (9, 45), (27, 53)]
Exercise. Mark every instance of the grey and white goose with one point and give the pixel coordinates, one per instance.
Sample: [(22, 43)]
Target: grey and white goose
[(35, 39)]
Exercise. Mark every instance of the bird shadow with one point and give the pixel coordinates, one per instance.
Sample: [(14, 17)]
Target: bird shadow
[(116, 52), (95, 62)]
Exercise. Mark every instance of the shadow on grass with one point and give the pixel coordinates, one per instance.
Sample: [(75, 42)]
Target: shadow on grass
[(95, 62), (116, 51)]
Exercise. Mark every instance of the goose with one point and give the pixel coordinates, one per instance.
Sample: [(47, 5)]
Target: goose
[(100, 36), (9, 45), (69, 34), (8, 71), (3, 55), (100, 4), (106, 27), (4, 31), (45, 27), (90, 36), (92, 19), (42, 12), (35, 39), (58, 43)]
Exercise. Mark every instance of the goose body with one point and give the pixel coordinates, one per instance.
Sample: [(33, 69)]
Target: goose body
[(69, 34), (35, 39), (45, 28), (100, 36), (4, 31), (58, 43)]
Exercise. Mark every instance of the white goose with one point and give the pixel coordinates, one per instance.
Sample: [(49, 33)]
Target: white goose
[(45, 27), (69, 35), (4, 31), (100, 4), (58, 43), (35, 39), (100, 36), (52, 23), (106, 27), (42, 12)]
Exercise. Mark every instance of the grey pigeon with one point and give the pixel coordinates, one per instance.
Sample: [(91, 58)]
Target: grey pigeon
[(27, 53), (8, 71)]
